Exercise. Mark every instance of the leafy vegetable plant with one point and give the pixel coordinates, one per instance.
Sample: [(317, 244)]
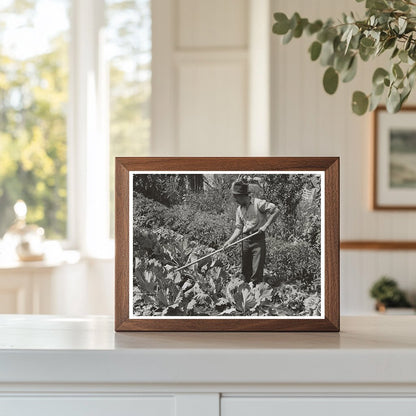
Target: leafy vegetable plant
[(211, 287)]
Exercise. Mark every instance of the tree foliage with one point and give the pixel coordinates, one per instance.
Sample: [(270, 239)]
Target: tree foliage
[(33, 98), (129, 40), (388, 28), (34, 104)]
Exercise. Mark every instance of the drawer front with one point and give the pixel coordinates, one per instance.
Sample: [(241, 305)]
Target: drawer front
[(87, 406), (271, 406)]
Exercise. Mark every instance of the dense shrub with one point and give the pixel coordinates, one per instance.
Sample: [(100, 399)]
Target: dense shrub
[(147, 212), (208, 229), (292, 260), (169, 189)]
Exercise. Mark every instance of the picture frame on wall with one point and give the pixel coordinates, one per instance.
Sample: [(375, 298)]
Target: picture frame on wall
[(227, 244), (394, 152)]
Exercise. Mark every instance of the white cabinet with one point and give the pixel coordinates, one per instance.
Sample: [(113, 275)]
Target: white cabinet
[(270, 406), (79, 366), (88, 406)]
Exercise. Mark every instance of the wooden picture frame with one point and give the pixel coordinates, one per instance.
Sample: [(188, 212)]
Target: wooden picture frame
[(394, 157), (296, 171)]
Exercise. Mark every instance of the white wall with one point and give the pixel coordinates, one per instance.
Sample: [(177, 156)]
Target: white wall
[(200, 77), (308, 122), (212, 64)]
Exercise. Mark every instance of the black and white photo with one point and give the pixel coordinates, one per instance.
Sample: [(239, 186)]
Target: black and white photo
[(222, 244)]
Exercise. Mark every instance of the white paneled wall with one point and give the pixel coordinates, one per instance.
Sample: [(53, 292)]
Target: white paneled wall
[(212, 24), (212, 103), (308, 122), (204, 71), (223, 86)]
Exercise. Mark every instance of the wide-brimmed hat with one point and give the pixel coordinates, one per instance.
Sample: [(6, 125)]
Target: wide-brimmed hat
[(239, 188)]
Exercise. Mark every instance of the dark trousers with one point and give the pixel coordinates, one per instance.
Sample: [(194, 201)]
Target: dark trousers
[(253, 258)]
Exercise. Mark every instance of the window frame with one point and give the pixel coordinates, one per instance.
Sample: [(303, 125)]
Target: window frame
[(87, 133), (87, 128)]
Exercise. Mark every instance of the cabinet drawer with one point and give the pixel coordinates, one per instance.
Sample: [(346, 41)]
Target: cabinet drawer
[(87, 406), (273, 406)]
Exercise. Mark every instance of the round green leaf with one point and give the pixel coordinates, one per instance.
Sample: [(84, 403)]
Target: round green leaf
[(330, 80), (374, 102), (351, 71), (315, 50), (327, 53), (389, 43), (294, 20), (403, 96), (298, 30), (288, 37), (378, 90), (395, 52), (376, 4), (359, 103), (367, 42), (397, 71), (403, 55), (379, 75), (366, 53), (314, 27), (342, 62), (281, 26), (322, 36), (393, 101)]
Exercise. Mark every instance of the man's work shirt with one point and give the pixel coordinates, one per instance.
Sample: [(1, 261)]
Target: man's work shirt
[(250, 218)]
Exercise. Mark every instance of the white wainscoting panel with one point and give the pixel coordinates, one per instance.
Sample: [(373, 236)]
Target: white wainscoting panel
[(212, 24), (360, 269), (212, 108), (200, 77)]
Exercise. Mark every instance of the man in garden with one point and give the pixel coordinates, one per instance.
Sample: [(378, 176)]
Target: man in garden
[(252, 215)]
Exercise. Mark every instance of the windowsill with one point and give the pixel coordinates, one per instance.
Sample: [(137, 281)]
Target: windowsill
[(55, 256), (8, 262)]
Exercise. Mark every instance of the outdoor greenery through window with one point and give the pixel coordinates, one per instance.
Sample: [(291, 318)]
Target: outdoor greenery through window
[(33, 101), (35, 85), (129, 43)]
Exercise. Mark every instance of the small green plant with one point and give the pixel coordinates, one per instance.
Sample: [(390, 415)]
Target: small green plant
[(387, 293)]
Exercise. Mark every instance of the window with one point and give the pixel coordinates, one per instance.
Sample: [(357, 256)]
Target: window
[(33, 97), (75, 87), (129, 46)]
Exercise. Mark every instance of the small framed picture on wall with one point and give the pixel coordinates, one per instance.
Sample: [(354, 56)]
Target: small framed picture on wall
[(394, 178)]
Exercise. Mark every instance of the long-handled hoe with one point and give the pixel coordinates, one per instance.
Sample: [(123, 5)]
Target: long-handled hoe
[(216, 251)]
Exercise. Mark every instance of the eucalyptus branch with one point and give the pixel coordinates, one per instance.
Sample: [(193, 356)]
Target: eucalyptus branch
[(388, 26)]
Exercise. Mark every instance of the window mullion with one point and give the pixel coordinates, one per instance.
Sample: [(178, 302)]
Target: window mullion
[(88, 137)]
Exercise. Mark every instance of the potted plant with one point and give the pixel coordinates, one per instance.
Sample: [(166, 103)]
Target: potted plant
[(387, 294)]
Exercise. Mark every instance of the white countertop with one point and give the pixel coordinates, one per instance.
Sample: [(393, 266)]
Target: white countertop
[(50, 349)]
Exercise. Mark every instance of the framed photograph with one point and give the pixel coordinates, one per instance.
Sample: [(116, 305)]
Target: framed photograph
[(227, 244), (394, 180)]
